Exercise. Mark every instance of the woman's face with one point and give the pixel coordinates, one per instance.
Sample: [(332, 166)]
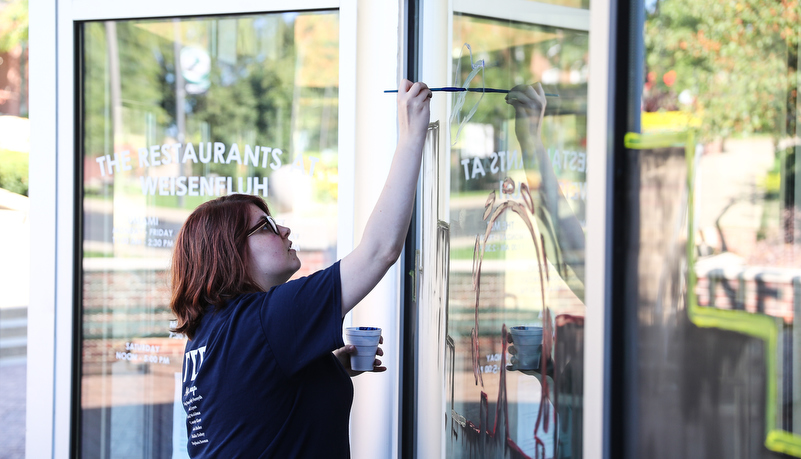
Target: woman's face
[(271, 259)]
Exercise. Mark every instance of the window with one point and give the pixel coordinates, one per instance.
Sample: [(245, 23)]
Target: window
[(717, 358), (174, 113), (516, 234)]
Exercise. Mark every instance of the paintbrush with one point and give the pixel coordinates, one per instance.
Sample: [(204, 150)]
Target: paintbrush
[(455, 89)]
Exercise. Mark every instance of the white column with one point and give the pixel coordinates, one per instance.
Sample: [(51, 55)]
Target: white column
[(435, 39), (599, 122), (375, 415), (42, 191)]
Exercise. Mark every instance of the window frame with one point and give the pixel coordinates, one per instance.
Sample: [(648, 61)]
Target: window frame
[(54, 339), (436, 65)]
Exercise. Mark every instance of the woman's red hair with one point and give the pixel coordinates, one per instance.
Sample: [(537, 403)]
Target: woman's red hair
[(209, 260)]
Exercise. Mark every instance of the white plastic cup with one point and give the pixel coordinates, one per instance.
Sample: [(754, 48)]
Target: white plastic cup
[(528, 343), (366, 341)]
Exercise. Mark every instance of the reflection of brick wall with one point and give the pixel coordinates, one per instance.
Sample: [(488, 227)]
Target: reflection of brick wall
[(752, 290), (462, 300), (122, 307), (125, 303), (126, 306), (99, 354), (12, 100), (493, 309), (492, 289), (312, 261), (95, 355)]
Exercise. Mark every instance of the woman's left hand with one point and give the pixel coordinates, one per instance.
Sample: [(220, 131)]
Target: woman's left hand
[(343, 354)]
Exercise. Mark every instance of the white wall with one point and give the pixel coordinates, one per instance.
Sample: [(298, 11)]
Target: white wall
[(15, 245), (375, 415), (40, 416)]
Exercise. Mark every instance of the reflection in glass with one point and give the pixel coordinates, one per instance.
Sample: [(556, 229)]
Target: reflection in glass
[(728, 73), (517, 205), (175, 113)]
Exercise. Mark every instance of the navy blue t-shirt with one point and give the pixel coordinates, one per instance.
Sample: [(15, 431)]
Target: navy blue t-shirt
[(259, 379)]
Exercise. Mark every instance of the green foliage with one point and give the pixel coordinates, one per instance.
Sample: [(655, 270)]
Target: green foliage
[(256, 103), (13, 24), (737, 57), (506, 65), (771, 183), (254, 96), (141, 82), (14, 171)]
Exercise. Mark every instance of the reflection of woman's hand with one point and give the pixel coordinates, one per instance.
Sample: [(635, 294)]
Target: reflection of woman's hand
[(343, 355), (529, 103), (514, 361)]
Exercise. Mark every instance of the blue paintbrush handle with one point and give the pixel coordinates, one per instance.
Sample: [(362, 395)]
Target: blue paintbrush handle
[(456, 89)]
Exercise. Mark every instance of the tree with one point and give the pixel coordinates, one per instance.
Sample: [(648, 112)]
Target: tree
[(737, 57), (740, 60)]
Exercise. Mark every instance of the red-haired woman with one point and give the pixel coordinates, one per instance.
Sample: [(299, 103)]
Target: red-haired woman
[(259, 375)]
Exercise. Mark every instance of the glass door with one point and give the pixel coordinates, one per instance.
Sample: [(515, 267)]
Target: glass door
[(512, 215), (175, 112)]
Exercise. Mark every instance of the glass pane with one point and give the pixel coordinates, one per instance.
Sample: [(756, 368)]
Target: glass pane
[(175, 113), (517, 204), (719, 375)]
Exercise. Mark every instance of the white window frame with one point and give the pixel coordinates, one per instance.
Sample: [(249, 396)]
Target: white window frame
[(436, 36), (51, 329)]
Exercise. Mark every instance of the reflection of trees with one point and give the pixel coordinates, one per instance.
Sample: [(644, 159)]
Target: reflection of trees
[(250, 99), (13, 24), (739, 61), (733, 57), (528, 53), (260, 103), (139, 77)]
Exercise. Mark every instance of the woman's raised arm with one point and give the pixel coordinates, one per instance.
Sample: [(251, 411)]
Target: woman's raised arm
[(385, 232)]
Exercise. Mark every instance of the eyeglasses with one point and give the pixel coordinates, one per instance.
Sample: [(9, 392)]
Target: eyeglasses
[(264, 223)]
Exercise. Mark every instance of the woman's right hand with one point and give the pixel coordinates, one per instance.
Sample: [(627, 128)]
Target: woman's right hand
[(414, 110), (385, 231)]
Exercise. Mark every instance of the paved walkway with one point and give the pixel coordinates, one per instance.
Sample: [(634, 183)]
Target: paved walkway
[(14, 283), (12, 410)]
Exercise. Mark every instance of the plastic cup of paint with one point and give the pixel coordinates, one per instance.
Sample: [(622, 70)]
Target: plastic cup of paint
[(528, 344), (366, 341)]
